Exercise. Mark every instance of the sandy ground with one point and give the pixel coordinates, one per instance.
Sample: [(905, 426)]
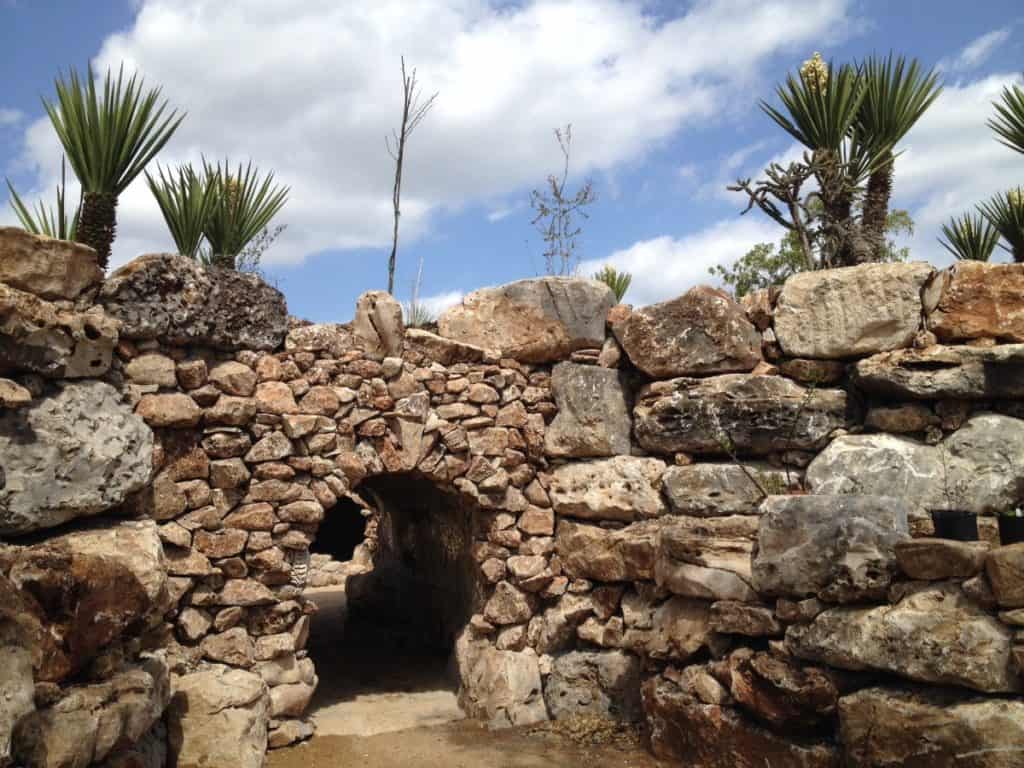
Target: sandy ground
[(382, 703)]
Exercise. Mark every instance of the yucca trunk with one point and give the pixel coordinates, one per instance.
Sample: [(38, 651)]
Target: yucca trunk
[(837, 202), (876, 206), (97, 224), (222, 260)]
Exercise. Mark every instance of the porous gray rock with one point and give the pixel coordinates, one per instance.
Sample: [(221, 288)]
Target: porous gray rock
[(851, 311), (839, 548), (175, 299), (937, 372), (604, 684), (593, 417), (934, 634), (538, 320), (332, 338), (79, 452), (702, 332), (757, 414), (714, 489), (40, 337), (892, 727), (378, 326), (46, 267), (620, 488)]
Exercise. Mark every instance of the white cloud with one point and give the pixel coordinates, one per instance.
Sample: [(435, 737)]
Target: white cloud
[(664, 267), (10, 116), (977, 51), (311, 90), (501, 212), (439, 302)]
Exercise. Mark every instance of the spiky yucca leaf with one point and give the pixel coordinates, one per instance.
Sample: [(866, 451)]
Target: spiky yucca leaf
[(244, 203), (896, 94), (1009, 120), (186, 200), (969, 237), (618, 281), (1005, 211), (44, 220)]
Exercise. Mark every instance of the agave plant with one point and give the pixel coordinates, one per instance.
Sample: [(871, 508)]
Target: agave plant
[(1009, 120), (618, 281), (896, 94), (45, 220), (969, 237), (109, 138), (1005, 211), (244, 203), (185, 200)]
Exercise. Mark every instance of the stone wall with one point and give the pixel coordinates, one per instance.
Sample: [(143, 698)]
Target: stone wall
[(171, 443)]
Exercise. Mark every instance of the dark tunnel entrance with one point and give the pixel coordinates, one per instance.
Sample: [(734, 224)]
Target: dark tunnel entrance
[(391, 629), (342, 530)]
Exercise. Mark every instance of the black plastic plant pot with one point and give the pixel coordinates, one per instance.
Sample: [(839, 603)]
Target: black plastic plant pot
[(1011, 529), (956, 524)]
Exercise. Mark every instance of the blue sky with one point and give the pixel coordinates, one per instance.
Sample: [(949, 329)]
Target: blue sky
[(662, 97)]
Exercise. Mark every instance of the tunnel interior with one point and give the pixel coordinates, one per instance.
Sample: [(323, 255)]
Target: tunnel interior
[(392, 629)]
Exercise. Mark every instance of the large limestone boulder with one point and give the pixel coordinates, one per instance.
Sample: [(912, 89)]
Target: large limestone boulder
[(77, 453), (38, 336), (984, 467), (333, 339), (177, 300), (757, 414), (620, 488), (89, 588), (674, 629), (218, 719), (936, 372), (707, 558), (538, 320), (852, 311), (378, 326), (442, 350), (924, 726), (502, 688), (604, 684), (602, 554), (715, 489), (704, 331), (90, 722), (979, 300), (839, 548), (933, 635), (48, 268), (593, 416), (690, 732)]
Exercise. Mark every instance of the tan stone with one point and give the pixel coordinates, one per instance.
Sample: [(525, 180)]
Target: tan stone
[(13, 395), (980, 300), (233, 378), (171, 410), (152, 369), (46, 267), (935, 559), (275, 397), (230, 411), (1005, 569)]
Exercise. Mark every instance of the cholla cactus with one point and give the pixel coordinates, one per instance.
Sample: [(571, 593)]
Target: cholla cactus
[(814, 72)]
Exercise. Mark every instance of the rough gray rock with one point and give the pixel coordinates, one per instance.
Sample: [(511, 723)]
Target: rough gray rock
[(933, 635), (601, 683), (592, 552), (704, 331), (759, 414), (937, 372), (620, 488), (17, 689), (442, 350), (839, 548), (707, 558), (77, 453), (537, 320), (177, 300), (46, 267), (378, 326), (893, 727), (593, 417), (332, 338), (710, 489), (839, 313), (984, 467), (502, 688), (38, 336)]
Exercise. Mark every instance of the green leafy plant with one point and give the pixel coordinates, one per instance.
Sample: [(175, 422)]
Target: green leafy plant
[(969, 237), (244, 204), (109, 136), (44, 220), (618, 281), (186, 201), (1005, 211), (1009, 120)]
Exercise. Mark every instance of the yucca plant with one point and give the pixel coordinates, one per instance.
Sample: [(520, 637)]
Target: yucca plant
[(44, 220), (1009, 120), (186, 201), (969, 237), (1005, 211), (244, 203), (618, 281), (109, 138), (896, 94)]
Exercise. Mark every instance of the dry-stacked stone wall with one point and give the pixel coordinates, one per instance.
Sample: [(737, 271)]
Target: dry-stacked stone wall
[(706, 516)]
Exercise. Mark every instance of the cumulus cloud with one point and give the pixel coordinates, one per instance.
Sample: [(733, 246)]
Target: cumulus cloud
[(311, 90), (439, 302), (10, 116), (664, 267), (976, 52)]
